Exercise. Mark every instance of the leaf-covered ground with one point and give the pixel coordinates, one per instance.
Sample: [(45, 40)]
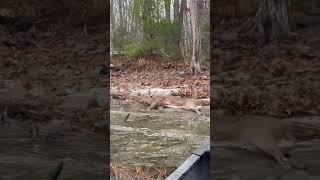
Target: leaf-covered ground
[(139, 74), (280, 79)]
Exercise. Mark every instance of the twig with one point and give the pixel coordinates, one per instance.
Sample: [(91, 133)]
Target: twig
[(57, 171), (127, 117)]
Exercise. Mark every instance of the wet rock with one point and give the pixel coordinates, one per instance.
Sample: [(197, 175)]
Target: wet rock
[(163, 92), (154, 92), (140, 92)]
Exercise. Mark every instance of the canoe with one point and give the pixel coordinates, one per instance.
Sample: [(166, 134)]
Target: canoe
[(196, 167)]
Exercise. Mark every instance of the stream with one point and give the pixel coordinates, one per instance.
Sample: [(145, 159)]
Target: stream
[(160, 138)]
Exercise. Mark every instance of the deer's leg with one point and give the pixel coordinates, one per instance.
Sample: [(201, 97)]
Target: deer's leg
[(283, 161), (277, 155), (197, 111), (154, 104)]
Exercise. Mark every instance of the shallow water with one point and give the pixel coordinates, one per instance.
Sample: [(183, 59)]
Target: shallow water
[(159, 138)]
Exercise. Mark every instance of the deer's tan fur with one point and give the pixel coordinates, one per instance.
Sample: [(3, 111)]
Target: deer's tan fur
[(177, 102), (263, 132)]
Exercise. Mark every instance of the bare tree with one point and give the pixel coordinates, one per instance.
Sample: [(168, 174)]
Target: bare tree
[(121, 20), (179, 9), (195, 6), (273, 19), (167, 4), (111, 25)]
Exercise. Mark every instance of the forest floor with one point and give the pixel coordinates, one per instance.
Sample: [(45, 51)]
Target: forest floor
[(281, 80), (49, 79), (142, 76)]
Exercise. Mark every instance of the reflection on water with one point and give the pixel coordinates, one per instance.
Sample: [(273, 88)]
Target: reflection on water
[(158, 138)]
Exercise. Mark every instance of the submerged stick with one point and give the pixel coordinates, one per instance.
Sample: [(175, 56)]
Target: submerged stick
[(127, 117), (57, 171)]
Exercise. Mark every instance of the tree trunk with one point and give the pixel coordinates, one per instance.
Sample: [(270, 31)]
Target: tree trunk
[(179, 26), (111, 26), (175, 9), (167, 4), (121, 26), (147, 22), (273, 19), (176, 26), (196, 33), (184, 45), (187, 35)]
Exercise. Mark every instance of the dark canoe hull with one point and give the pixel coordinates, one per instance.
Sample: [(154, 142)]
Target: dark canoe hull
[(196, 167)]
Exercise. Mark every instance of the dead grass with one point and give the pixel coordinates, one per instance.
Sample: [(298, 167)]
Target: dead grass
[(138, 172)]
